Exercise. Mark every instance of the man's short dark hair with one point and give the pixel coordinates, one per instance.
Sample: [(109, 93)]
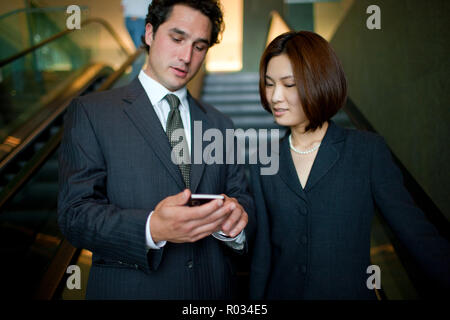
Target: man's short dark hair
[(159, 11)]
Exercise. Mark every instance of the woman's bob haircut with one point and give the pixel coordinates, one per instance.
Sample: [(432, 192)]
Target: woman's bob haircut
[(318, 74)]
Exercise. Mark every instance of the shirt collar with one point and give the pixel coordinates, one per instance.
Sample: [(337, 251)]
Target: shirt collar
[(156, 91)]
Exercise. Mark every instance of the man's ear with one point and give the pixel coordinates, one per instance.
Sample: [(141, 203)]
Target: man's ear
[(148, 34)]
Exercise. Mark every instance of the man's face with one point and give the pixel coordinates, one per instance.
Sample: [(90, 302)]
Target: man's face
[(178, 47)]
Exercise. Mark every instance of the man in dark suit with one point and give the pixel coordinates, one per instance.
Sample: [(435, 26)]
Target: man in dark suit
[(123, 193)]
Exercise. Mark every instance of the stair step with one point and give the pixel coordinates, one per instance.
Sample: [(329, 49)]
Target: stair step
[(237, 95), (21, 216), (254, 134), (38, 146), (255, 122), (42, 195), (241, 109), (231, 98), (233, 88), (48, 172), (240, 77)]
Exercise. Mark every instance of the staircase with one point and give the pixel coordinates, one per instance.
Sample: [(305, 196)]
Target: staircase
[(237, 95)]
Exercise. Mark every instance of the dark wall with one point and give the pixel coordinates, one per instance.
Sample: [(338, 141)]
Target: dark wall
[(299, 16), (399, 78), (256, 26)]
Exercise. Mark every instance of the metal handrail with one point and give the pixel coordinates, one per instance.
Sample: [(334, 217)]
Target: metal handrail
[(116, 75), (5, 154), (103, 22), (45, 121), (34, 126), (55, 272)]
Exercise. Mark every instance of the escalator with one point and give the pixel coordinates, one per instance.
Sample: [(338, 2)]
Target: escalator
[(36, 86)]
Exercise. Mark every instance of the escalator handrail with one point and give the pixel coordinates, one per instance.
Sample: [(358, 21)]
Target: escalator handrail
[(109, 82), (56, 271), (39, 123), (20, 179), (102, 22), (112, 78)]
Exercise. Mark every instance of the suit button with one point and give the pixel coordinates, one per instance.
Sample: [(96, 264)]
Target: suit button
[(303, 269), (190, 264), (304, 211), (304, 239)]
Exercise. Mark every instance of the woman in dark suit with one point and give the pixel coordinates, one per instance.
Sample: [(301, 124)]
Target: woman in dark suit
[(314, 216)]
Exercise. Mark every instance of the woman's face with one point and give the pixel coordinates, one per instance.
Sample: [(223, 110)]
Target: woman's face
[(282, 93)]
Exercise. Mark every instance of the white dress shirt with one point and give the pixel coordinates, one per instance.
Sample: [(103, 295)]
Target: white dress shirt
[(156, 93)]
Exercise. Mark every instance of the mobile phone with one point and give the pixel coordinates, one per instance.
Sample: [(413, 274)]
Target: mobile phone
[(199, 199)]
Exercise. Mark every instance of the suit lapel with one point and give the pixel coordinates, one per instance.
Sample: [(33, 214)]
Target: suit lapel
[(287, 170), (327, 156), (141, 113), (198, 113)]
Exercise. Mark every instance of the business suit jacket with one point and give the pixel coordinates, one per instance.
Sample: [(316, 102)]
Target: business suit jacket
[(314, 242), (115, 167)]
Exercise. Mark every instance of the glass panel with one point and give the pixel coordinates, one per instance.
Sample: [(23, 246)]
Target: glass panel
[(16, 27), (42, 23), (29, 233), (31, 82)]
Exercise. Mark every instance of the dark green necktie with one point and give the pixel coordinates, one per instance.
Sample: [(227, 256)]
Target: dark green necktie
[(177, 138)]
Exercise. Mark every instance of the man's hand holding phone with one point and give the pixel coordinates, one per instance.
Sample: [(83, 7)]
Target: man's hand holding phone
[(174, 221), (236, 220)]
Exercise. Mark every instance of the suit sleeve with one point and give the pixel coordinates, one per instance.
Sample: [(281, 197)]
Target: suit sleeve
[(85, 215), (236, 186), (430, 250)]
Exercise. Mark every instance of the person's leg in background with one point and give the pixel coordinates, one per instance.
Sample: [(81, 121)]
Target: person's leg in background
[(136, 28)]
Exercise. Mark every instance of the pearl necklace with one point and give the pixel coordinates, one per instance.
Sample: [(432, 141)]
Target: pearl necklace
[(302, 152)]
